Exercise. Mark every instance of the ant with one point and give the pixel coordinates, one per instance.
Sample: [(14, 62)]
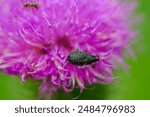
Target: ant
[(31, 4)]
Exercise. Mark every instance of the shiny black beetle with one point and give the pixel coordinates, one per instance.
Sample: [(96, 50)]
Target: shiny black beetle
[(80, 58)]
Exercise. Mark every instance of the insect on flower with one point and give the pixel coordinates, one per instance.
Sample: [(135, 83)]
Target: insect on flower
[(31, 4), (81, 58), (41, 34)]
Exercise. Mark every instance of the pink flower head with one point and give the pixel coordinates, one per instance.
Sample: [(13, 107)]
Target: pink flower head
[(37, 37)]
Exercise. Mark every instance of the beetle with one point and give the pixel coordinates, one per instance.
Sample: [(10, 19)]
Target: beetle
[(80, 58)]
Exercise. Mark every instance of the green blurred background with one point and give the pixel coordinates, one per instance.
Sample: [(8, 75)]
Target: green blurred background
[(133, 86)]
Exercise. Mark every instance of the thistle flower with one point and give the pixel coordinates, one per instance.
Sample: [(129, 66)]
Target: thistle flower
[(66, 44)]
